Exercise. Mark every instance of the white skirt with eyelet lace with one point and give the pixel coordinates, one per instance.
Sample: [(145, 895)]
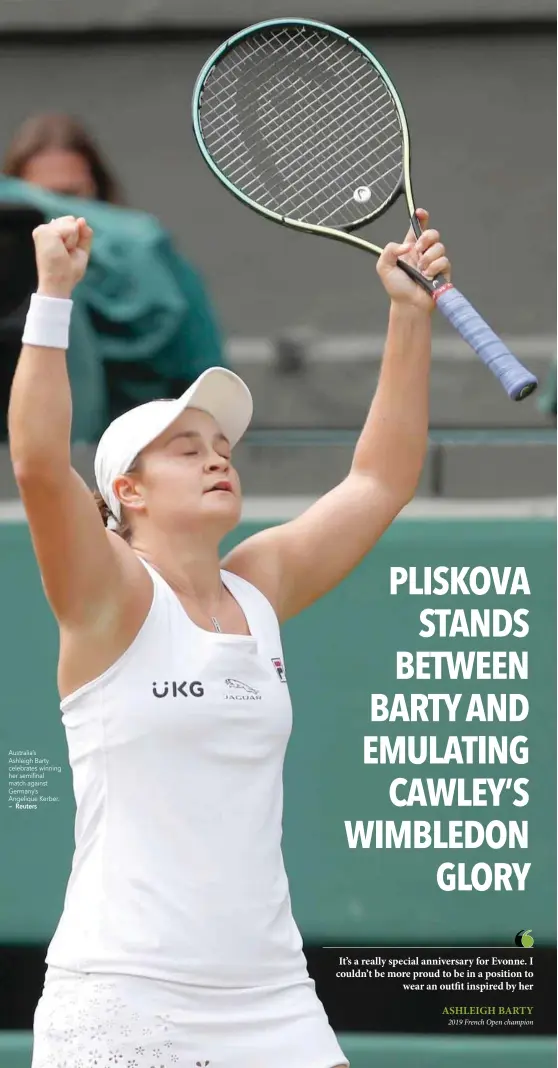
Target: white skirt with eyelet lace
[(96, 1020)]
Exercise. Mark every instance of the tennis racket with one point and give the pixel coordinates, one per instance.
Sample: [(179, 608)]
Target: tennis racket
[(303, 124)]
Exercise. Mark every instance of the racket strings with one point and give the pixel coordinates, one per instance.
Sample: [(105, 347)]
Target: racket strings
[(295, 152), (298, 120), (271, 126), (322, 134)]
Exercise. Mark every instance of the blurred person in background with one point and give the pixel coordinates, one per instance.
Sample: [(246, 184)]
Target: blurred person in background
[(56, 152)]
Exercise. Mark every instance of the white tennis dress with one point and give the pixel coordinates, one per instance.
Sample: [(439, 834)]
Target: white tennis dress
[(177, 944)]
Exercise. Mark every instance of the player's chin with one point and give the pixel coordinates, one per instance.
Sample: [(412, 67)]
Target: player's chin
[(223, 501)]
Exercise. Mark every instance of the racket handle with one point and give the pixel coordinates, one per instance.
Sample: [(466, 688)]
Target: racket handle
[(516, 380)]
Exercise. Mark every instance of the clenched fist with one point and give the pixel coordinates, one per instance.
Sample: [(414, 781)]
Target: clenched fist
[(62, 252), (427, 254)]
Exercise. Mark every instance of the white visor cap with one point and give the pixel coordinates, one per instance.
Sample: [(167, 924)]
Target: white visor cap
[(217, 391)]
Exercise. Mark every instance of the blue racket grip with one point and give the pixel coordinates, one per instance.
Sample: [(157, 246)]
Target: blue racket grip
[(516, 380)]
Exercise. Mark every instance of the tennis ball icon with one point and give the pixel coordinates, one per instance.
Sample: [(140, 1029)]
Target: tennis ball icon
[(362, 194), (524, 939)]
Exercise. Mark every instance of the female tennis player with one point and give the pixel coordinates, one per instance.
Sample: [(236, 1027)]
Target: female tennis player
[(177, 944)]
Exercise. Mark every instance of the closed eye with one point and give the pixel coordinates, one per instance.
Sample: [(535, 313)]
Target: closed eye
[(195, 452)]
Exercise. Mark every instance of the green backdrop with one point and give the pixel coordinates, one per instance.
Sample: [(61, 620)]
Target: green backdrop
[(384, 1051), (336, 653)]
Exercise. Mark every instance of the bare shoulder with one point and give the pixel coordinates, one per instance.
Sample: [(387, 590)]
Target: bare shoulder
[(87, 651), (129, 560), (256, 559), (136, 584)]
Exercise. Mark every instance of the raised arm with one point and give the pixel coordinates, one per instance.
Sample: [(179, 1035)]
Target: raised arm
[(300, 561), (82, 567)]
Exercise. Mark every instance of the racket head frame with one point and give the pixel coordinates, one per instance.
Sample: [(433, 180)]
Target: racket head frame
[(342, 233), (439, 285)]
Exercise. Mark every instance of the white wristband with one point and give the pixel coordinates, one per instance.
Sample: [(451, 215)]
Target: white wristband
[(48, 322)]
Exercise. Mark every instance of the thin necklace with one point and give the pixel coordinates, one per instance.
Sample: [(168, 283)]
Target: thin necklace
[(215, 621), (216, 625)]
